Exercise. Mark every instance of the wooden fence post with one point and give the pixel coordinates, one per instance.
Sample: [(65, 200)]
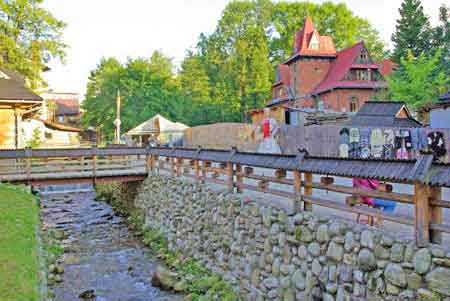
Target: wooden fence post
[(203, 171), (196, 171), (436, 214), (422, 214), (239, 179), (297, 190), (172, 166), (308, 178), (230, 177), (179, 163), (94, 165), (28, 162), (148, 163)]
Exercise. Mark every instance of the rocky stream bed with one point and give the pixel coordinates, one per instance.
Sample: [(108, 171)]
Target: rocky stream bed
[(101, 258)]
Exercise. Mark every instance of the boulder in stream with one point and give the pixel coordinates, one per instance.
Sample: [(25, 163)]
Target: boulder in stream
[(163, 278)]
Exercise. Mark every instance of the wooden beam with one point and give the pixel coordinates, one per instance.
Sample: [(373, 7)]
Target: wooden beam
[(297, 190), (436, 214), (230, 176), (422, 215), (307, 190)]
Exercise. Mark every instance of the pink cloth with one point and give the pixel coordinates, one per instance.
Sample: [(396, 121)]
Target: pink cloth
[(402, 154), (366, 184)]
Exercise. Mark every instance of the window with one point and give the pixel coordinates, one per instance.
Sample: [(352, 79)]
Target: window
[(48, 135), (320, 106), (72, 119), (61, 119), (280, 93), (314, 43), (363, 56), (353, 104), (363, 74), (287, 117)]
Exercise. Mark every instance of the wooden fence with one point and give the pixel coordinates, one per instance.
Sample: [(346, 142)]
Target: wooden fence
[(291, 176), (230, 168)]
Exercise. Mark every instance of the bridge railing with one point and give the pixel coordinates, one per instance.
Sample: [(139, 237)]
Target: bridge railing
[(30, 164), (306, 179)]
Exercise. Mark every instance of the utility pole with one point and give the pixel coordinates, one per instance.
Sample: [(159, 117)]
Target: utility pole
[(117, 121)]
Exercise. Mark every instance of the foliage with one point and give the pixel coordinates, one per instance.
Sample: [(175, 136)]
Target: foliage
[(201, 284), (19, 266), (441, 39), (229, 72), (36, 139), (30, 37), (239, 57), (147, 87), (418, 80), (412, 32)]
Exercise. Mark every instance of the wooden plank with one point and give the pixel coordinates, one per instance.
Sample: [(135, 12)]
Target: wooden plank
[(239, 178), (267, 178), (440, 227), (230, 176), (196, 170), (399, 197), (398, 218), (308, 180), (297, 190), (436, 215), (422, 215)]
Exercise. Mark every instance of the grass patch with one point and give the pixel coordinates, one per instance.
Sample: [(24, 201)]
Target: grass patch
[(201, 284), (19, 264)]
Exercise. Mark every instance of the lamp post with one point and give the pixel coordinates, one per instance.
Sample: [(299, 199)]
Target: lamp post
[(117, 121)]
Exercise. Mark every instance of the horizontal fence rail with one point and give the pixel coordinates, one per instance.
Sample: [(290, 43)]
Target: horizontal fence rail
[(291, 176)]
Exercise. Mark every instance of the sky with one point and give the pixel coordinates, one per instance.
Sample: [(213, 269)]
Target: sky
[(134, 28)]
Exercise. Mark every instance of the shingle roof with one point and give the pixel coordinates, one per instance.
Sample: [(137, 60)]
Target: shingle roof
[(12, 87), (339, 68), (383, 114), (67, 107)]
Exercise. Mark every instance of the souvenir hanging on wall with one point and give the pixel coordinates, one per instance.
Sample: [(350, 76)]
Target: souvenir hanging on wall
[(376, 143), (436, 144), (344, 140), (388, 146), (364, 144), (354, 150)]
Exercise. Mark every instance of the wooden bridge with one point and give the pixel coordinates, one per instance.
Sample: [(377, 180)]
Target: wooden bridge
[(299, 177), (63, 166)]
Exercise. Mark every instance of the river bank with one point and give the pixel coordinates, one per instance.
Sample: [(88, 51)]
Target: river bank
[(19, 245)]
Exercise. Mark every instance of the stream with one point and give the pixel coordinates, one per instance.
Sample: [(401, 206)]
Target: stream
[(100, 252)]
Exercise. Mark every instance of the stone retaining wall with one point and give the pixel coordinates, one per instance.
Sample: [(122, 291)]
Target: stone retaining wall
[(268, 255)]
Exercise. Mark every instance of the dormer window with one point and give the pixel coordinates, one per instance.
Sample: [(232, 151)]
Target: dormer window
[(363, 56), (314, 43), (362, 74)]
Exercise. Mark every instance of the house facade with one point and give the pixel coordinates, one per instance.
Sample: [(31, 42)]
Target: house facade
[(63, 108), (17, 104), (319, 77)]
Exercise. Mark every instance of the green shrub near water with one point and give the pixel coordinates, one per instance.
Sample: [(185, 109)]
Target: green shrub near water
[(202, 285), (19, 264)]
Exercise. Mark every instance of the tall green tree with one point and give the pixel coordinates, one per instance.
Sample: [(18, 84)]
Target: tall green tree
[(419, 80), (30, 37), (147, 87), (441, 38), (412, 32)]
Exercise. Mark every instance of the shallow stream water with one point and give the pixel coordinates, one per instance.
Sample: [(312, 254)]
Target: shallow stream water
[(101, 254)]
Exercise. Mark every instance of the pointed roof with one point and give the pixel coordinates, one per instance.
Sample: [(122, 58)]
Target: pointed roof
[(341, 65), (384, 114), (387, 66), (12, 88), (304, 47), (157, 124)]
